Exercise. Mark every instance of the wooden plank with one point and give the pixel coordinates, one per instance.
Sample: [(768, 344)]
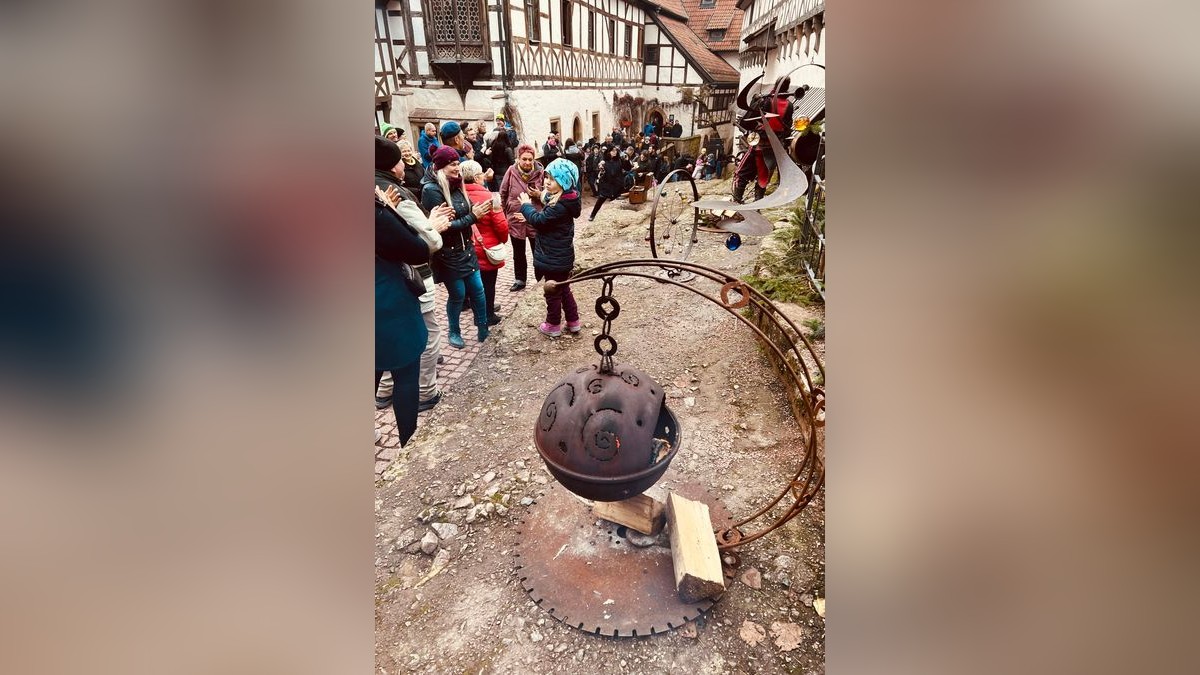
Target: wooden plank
[(694, 550), (642, 513)]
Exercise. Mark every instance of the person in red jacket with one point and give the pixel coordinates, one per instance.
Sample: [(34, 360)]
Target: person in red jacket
[(491, 229)]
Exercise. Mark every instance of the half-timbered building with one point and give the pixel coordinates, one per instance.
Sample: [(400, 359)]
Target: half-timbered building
[(574, 67), (780, 35)]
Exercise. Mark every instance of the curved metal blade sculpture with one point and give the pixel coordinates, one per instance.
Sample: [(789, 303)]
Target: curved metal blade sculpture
[(793, 184)]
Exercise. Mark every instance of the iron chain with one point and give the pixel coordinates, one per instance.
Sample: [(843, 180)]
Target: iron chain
[(607, 308)]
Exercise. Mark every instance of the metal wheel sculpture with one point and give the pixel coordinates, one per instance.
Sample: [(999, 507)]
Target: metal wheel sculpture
[(674, 221)]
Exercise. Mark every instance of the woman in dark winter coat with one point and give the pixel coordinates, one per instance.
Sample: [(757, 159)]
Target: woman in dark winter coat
[(500, 154), (400, 332), (554, 246), (456, 265), (591, 167), (612, 177)]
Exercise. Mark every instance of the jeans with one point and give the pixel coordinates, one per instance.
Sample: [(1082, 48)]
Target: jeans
[(404, 398), (457, 290), (560, 299)]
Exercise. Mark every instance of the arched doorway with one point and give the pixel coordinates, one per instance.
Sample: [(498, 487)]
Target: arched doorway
[(577, 130), (656, 118)]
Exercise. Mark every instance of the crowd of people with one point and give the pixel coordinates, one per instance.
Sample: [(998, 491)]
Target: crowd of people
[(443, 214), (446, 206)]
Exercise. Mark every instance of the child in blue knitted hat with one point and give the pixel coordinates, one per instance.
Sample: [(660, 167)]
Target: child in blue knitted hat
[(554, 245)]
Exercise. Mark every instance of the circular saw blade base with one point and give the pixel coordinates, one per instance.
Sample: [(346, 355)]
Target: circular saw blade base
[(583, 571)]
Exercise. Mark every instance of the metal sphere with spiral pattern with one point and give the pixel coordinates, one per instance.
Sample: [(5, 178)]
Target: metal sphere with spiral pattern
[(607, 436)]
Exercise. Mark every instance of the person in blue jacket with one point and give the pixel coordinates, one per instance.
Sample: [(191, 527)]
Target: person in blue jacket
[(427, 144), (554, 245)]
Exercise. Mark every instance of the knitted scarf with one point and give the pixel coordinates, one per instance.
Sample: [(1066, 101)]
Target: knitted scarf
[(526, 177)]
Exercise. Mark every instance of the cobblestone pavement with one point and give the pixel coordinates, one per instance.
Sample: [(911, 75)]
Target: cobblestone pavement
[(456, 361)]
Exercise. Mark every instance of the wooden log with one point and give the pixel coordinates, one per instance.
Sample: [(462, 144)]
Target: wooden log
[(694, 550), (642, 513)]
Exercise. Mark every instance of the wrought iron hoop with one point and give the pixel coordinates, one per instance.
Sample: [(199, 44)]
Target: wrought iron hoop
[(659, 195), (810, 476)]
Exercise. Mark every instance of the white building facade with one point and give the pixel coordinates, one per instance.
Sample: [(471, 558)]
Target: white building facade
[(574, 67), (781, 35)]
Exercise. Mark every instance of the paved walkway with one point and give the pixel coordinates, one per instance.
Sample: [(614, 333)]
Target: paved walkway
[(456, 361)]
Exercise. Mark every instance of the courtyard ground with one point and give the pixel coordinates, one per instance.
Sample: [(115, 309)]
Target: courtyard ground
[(472, 470)]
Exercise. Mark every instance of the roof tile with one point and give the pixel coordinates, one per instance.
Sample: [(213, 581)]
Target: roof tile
[(675, 6), (716, 67), (725, 15)]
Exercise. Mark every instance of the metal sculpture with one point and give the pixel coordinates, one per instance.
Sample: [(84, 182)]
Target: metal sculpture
[(589, 573), (607, 435), (676, 219), (590, 576), (673, 223), (775, 332), (793, 181)]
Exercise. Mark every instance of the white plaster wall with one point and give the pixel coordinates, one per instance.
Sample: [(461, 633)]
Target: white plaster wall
[(731, 57), (538, 106), (442, 99), (781, 61), (669, 100)]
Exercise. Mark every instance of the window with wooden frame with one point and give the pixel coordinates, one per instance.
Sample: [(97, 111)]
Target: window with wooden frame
[(457, 29), (612, 37), (591, 30), (652, 55), (533, 20), (708, 4), (556, 126), (566, 22), (716, 34), (628, 40)]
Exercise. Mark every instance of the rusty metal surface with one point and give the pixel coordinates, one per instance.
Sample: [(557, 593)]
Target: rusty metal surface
[(585, 574), (607, 436)]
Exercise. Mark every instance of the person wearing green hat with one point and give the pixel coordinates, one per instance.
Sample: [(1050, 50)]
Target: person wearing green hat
[(390, 132)]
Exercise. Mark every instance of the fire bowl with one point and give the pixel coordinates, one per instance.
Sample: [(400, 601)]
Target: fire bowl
[(607, 437)]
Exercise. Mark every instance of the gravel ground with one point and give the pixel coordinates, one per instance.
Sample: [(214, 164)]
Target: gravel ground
[(447, 598)]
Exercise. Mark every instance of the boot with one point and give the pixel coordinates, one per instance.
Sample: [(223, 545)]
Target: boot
[(454, 335), (739, 191), (759, 191), (483, 333)]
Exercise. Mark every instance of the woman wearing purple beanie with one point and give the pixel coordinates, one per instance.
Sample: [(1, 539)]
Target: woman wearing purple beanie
[(456, 265)]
